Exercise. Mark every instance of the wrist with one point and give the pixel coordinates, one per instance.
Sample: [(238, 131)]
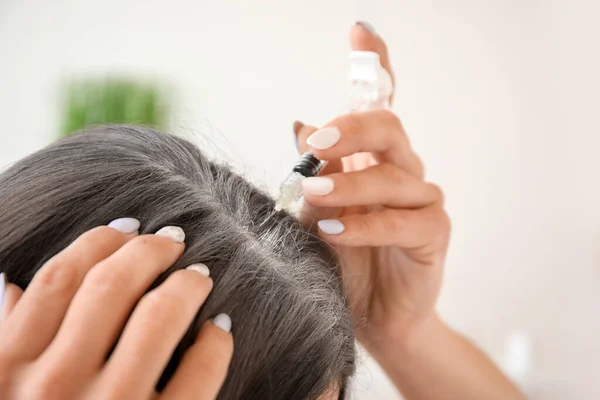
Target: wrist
[(404, 340)]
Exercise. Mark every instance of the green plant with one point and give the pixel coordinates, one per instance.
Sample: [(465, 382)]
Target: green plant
[(111, 100)]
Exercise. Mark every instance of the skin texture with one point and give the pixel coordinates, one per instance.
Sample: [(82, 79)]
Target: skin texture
[(393, 247), (103, 276)]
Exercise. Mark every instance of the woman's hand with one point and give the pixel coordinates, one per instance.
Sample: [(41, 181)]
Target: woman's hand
[(388, 224), (392, 232), (55, 338)]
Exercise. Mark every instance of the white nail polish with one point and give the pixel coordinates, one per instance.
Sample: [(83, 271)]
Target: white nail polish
[(2, 291), (318, 185), (368, 27), (200, 268), (223, 321), (331, 226), (324, 138), (125, 225), (174, 233)]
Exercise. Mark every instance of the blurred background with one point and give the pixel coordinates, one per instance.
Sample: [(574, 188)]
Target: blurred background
[(500, 98)]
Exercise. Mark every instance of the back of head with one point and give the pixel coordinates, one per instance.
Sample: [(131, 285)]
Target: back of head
[(292, 329)]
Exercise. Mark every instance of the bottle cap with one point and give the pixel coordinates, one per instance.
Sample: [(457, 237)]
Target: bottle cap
[(364, 66)]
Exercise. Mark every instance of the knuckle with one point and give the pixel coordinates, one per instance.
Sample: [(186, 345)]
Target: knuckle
[(58, 275), (352, 128), (354, 122), (394, 127), (390, 116), (162, 308), (390, 172), (48, 383), (348, 123), (108, 282)]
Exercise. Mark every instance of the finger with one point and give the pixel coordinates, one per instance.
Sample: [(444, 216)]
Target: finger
[(381, 184), (12, 294), (364, 38), (302, 133), (309, 215), (46, 299), (109, 292), (297, 127), (153, 332), (377, 131), (408, 229), (204, 366)]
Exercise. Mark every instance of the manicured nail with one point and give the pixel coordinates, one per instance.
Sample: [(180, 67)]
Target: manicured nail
[(367, 26), (125, 225), (223, 321), (318, 185), (200, 268), (331, 226), (2, 290), (324, 138), (174, 233)]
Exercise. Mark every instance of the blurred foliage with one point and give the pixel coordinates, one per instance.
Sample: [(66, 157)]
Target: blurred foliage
[(111, 100)]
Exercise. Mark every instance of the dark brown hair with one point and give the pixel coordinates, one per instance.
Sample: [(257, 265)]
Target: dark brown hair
[(278, 282)]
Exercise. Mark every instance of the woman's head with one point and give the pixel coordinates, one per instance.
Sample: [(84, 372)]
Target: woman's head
[(277, 281)]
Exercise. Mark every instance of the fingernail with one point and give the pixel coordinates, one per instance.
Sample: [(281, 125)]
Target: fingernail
[(174, 233), (318, 185), (200, 268), (125, 225), (324, 138), (223, 321), (297, 126), (367, 26), (331, 226), (2, 290)]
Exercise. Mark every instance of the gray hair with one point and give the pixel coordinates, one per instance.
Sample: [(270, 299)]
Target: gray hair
[(292, 328)]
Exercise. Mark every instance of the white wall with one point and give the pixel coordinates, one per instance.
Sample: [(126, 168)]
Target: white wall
[(499, 97)]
